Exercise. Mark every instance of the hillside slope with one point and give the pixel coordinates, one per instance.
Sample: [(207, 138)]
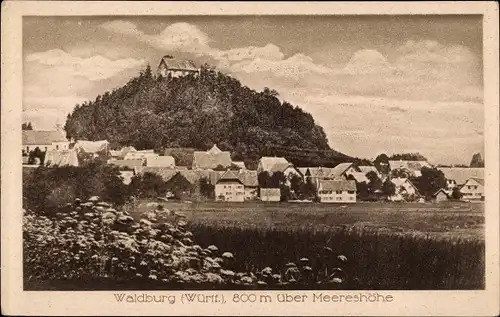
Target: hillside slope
[(157, 113)]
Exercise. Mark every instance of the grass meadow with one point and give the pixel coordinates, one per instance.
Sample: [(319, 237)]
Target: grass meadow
[(389, 245)]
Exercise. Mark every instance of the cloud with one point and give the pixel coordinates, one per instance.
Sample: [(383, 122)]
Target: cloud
[(367, 61), (180, 37), (55, 81), (92, 68)]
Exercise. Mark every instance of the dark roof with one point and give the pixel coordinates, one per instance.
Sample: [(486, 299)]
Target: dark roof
[(339, 170), (127, 163), (33, 137), (179, 64), (229, 176)]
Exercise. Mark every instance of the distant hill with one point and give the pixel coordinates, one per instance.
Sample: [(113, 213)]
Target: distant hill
[(150, 112)]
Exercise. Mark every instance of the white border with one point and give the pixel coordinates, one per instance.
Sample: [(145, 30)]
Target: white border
[(15, 301)]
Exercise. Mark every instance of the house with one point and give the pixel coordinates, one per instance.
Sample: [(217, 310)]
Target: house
[(270, 194), (246, 177), (229, 187), (174, 68), (440, 195), (457, 176), (211, 159), (342, 170), (367, 169), (337, 191), (127, 163), (61, 158), (44, 140), (267, 163), (180, 181), (359, 177), (409, 168), (405, 190), (140, 155), (473, 189), (94, 148), (316, 174), (251, 183), (160, 161)]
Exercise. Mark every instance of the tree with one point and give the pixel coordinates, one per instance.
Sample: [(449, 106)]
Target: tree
[(26, 126), (388, 188), (430, 181), (477, 160), (374, 181), (309, 189), (456, 194), (382, 163), (408, 157), (277, 179), (264, 179), (285, 192), (206, 189), (296, 184), (147, 185), (36, 156)]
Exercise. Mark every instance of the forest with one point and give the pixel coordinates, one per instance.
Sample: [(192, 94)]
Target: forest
[(152, 112)]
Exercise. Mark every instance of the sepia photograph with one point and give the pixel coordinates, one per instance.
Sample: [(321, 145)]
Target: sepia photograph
[(253, 152)]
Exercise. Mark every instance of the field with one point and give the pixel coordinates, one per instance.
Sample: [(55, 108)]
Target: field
[(389, 245), (444, 220)]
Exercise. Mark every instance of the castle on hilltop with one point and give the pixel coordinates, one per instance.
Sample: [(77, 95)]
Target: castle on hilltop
[(171, 67)]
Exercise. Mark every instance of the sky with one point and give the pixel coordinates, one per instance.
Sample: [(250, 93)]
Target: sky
[(376, 84)]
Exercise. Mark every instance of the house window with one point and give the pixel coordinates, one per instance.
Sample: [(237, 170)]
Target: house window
[(478, 194), (57, 147), (339, 192), (351, 198), (350, 191), (339, 198), (46, 149), (28, 149)]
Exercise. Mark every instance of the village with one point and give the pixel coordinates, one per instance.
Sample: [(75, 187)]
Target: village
[(184, 170)]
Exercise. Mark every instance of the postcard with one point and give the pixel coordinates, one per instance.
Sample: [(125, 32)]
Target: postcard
[(210, 158)]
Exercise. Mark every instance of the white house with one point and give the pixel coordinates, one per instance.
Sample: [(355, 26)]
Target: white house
[(229, 187), (405, 190), (44, 140), (211, 159), (337, 191), (457, 176), (473, 189), (174, 68)]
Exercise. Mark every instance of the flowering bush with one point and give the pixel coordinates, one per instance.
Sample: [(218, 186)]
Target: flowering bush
[(92, 239)]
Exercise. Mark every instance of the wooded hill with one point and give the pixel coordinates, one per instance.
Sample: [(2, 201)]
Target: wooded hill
[(153, 113)]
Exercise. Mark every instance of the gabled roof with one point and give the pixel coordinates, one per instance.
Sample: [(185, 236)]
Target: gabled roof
[(61, 158), (360, 177), (229, 176), (270, 192), (440, 190), (267, 162), (34, 137), (280, 167), (91, 146), (160, 161), (400, 181), (339, 170), (127, 149), (211, 158), (478, 180), (461, 174), (247, 177), (179, 64), (337, 184), (319, 172)]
